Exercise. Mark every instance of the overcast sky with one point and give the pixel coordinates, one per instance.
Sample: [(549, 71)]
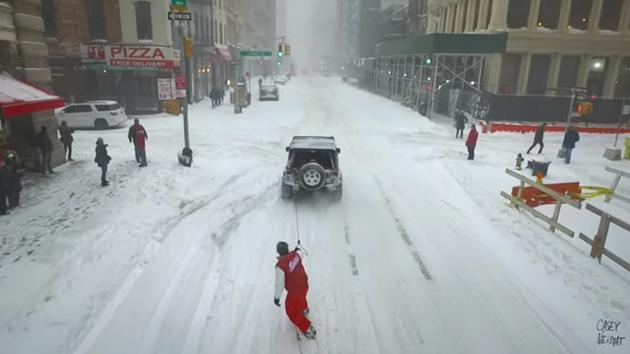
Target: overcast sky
[(310, 29)]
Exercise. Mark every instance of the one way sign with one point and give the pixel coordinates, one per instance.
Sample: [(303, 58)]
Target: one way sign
[(180, 16)]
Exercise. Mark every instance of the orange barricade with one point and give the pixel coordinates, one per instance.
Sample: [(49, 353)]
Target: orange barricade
[(533, 197)]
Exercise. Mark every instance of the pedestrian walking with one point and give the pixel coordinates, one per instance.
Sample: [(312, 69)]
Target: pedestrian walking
[(568, 143), (140, 141), (290, 275), (260, 81), (45, 146), (14, 182), (132, 137), (4, 187), (214, 96), (538, 138), (471, 142), (460, 124), (102, 159), (66, 138)]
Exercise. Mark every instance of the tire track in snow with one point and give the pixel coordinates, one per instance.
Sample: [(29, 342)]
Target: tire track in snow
[(404, 234)]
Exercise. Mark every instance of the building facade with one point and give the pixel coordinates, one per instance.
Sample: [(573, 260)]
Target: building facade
[(552, 45), (24, 56)]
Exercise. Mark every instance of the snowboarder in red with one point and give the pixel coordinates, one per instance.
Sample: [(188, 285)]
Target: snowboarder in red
[(290, 274)]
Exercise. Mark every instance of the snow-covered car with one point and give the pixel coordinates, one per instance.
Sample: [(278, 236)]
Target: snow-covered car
[(92, 114), (281, 79), (269, 91), (313, 164)]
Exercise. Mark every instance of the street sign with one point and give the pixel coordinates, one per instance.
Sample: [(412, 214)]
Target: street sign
[(179, 3), (180, 16), (255, 53)]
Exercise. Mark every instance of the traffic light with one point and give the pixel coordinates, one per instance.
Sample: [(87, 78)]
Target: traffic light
[(280, 49), (188, 47), (584, 108), (287, 50), (428, 61)]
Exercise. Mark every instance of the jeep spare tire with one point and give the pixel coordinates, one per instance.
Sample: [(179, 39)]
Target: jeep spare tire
[(312, 176)]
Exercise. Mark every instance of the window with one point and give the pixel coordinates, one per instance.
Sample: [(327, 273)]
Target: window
[(80, 108), (580, 13), (611, 12), (96, 19), (622, 85), (221, 34), (476, 18), (518, 13), (107, 107), (510, 68), (50, 21), (538, 74), (489, 14), (143, 20), (597, 75), (549, 13), (569, 67)]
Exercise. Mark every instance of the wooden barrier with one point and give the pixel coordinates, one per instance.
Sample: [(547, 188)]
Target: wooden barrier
[(618, 176), (518, 202), (598, 244)]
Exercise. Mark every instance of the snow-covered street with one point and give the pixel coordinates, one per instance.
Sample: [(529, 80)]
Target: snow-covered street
[(422, 255)]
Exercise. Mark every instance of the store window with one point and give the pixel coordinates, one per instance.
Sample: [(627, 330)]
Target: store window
[(597, 75), (50, 21), (510, 68), (622, 85), (549, 13), (518, 13), (567, 76), (96, 19), (143, 20), (538, 74), (580, 13), (611, 13)]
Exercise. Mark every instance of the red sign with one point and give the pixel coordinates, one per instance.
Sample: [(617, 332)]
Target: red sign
[(180, 82), (131, 56), (143, 53)]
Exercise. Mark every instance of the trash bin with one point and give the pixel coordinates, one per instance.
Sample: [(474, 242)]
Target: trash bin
[(627, 154), (540, 166)]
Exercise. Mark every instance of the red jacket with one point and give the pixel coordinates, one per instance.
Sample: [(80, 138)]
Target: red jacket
[(295, 278), (141, 137), (472, 138)]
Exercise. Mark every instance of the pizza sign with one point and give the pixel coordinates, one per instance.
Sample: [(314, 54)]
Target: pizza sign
[(131, 56)]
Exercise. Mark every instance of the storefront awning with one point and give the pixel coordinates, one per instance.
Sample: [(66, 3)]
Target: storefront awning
[(18, 98), (221, 55)]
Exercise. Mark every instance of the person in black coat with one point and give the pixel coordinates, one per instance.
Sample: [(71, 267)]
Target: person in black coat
[(45, 146), (65, 133), (4, 187), (460, 124), (568, 144), (102, 159), (538, 138), (15, 185)]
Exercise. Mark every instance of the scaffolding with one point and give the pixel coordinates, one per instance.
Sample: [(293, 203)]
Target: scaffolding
[(433, 73)]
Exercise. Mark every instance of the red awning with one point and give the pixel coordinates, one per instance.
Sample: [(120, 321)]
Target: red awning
[(221, 55), (18, 98)]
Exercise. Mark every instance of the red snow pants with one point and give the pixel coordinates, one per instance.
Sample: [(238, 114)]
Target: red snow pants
[(295, 304)]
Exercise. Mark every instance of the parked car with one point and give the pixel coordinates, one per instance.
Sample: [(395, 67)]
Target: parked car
[(92, 114), (313, 164), (269, 91), (281, 79)]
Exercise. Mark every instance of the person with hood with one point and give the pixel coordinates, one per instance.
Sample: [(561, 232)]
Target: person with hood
[(290, 275), (471, 142), (538, 138), (15, 185), (45, 146), (133, 134), (66, 138), (460, 124), (102, 159), (568, 144), (4, 186)]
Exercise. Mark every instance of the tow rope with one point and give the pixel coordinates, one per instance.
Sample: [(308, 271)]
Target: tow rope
[(297, 228)]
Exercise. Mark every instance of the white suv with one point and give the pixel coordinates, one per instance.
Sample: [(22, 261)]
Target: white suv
[(92, 114)]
